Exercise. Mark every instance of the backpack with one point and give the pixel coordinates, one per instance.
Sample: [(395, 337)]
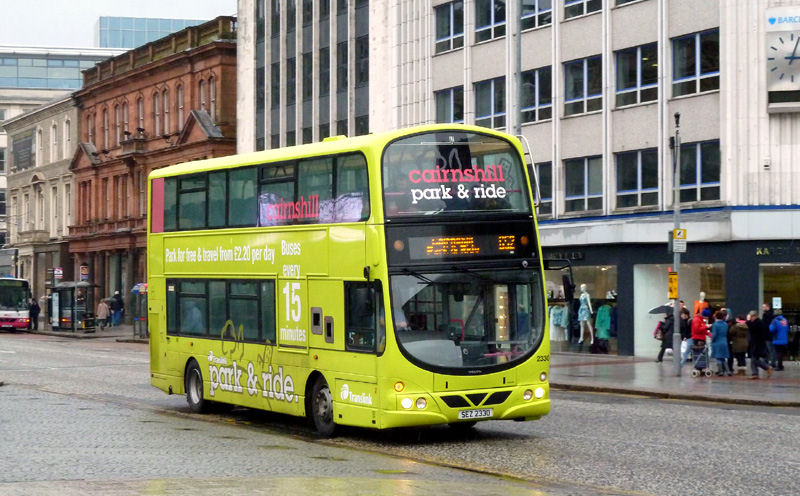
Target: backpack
[(658, 333)]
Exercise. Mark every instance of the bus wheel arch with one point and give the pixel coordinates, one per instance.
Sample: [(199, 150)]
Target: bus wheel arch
[(319, 404), (193, 386)]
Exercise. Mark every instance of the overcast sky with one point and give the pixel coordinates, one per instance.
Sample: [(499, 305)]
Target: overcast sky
[(71, 23)]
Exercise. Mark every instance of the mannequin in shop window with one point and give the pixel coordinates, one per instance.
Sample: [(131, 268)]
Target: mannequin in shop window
[(701, 304), (585, 316)]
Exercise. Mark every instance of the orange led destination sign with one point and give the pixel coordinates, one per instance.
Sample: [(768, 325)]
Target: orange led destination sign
[(461, 246)]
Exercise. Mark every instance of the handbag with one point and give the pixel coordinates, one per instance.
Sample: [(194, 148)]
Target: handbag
[(659, 332)]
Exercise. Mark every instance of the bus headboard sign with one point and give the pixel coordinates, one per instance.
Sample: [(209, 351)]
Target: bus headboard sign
[(463, 246)]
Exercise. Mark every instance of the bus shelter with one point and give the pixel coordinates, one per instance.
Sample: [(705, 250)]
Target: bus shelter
[(72, 306)]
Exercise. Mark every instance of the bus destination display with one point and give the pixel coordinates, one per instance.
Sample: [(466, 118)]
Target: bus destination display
[(461, 246)]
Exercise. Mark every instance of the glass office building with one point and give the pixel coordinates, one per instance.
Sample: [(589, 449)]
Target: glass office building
[(47, 68), (132, 32)]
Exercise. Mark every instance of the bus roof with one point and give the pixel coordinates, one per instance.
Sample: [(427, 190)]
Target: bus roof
[(335, 144)]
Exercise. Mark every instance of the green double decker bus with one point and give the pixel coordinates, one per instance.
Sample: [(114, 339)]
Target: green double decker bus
[(379, 281)]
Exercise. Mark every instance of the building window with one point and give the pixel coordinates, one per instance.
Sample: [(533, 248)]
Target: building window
[(341, 67), (53, 143), (2, 160), (695, 62), (637, 178), (637, 75), (536, 13), (537, 95), (362, 61), (490, 103), (39, 147), (308, 11), (544, 173), (307, 74), (212, 97), (291, 81), (165, 106), (275, 85), (449, 26), (67, 140), (156, 114), (450, 104), (179, 91), (275, 25), (140, 114), (700, 171), (324, 71), (623, 2), (291, 15), (117, 124), (583, 80), (583, 184), (201, 86), (575, 8), (324, 9), (490, 19), (105, 129)]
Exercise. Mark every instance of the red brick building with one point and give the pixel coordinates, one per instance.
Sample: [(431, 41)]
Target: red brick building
[(169, 101)]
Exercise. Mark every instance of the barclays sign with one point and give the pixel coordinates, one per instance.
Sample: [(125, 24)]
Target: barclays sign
[(782, 19)]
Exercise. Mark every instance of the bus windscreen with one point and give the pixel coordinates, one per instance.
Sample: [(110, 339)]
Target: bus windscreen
[(453, 173)]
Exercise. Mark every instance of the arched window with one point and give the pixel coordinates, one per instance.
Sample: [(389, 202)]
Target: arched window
[(156, 114), (67, 141), (140, 113), (105, 128), (117, 124), (125, 127), (90, 128), (212, 97), (39, 147), (165, 102), (202, 90), (180, 106), (54, 143)]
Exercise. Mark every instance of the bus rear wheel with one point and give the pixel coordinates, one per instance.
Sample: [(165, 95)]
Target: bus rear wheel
[(322, 408), (193, 383)]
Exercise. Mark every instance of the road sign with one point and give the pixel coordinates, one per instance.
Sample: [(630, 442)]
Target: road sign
[(58, 272), (678, 241), (673, 285)]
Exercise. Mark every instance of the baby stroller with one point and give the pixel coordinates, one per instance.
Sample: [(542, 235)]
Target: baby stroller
[(700, 360)]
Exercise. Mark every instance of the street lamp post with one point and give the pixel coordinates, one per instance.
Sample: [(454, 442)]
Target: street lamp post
[(676, 218)]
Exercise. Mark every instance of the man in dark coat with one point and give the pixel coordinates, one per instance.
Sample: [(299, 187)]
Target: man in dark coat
[(757, 347), (33, 313), (117, 307)]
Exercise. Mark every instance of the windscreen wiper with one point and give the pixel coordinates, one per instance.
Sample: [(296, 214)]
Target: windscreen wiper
[(472, 273), (417, 275)]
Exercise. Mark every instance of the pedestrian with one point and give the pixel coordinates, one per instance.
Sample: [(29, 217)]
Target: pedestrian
[(33, 312), (103, 311), (667, 328), (767, 314), (757, 344), (686, 335), (117, 307), (779, 330), (719, 343), (737, 336)]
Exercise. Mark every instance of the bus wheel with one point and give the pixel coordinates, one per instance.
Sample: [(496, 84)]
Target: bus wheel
[(193, 383), (322, 408)]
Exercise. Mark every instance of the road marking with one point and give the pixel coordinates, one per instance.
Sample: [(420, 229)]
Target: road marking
[(8, 352)]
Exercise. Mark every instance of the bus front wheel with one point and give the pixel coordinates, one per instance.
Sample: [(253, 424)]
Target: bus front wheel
[(322, 408), (193, 383)]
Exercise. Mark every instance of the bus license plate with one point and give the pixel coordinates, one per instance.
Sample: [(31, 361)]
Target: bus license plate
[(474, 414)]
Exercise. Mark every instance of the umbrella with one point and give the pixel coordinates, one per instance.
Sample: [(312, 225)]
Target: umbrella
[(662, 309)]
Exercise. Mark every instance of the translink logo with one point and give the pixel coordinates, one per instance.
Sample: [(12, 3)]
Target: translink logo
[(361, 398)]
